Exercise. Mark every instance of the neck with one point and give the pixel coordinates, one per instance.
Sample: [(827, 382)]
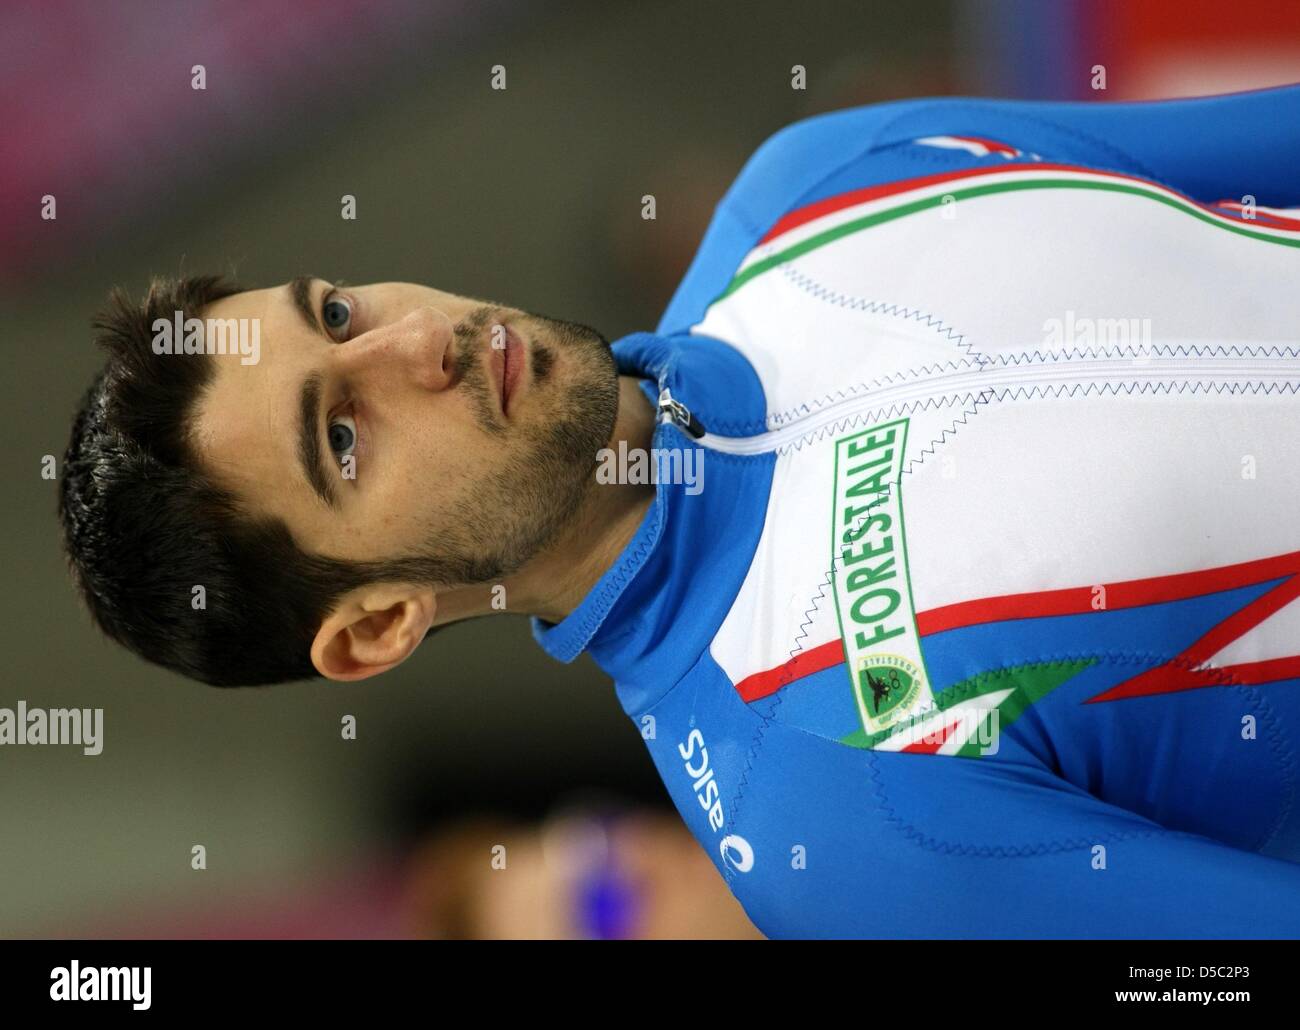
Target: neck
[(554, 583)]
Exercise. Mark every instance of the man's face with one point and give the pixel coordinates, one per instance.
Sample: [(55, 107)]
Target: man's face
[(394, 420)]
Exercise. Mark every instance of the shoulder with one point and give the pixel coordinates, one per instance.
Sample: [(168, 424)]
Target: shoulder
[(787, 166), (795, 158)]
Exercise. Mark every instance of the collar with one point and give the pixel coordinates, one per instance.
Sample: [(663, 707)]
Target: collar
[(628, 613)]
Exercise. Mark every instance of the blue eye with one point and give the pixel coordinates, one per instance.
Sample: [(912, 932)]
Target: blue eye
[(343, 435), (336, 313)]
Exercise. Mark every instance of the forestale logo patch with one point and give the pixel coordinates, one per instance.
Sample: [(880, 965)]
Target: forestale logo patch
[(870, 579), (886, 682)]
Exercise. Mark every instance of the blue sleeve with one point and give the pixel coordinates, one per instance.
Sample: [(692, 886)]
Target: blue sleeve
[(916, 846), (1210, 148)]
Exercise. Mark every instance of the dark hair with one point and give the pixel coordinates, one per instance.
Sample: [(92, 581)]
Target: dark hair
[(143, 525)]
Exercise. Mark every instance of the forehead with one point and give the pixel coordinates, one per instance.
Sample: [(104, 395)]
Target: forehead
[(245, 415), (269, 303)]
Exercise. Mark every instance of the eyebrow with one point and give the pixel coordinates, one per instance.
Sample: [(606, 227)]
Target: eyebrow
[(309, 450), (300, 293)]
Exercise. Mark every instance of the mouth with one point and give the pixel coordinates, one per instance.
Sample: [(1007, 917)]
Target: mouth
[(507, 364)]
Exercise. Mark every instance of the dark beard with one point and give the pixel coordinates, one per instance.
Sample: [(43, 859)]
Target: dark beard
[(519, 509)]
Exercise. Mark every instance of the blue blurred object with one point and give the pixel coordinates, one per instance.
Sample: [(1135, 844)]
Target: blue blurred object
[(606, 904)]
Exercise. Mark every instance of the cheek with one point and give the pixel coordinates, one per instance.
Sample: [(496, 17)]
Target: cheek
[(442, 468), (429, 482)]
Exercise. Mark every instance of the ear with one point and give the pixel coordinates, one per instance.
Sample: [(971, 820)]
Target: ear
[(372, 629)]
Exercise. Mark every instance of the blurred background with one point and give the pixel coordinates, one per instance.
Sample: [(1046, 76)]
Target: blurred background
[(530, 196)]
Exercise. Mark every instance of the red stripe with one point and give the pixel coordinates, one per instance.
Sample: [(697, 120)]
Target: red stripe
[(1271, 670), (991, 144), (1167, 679), (1274, 220), (828, 205), (1178, 674), (931, 746), (803, 215), (763, 684), (1241, 621), (1072, 601), (1128, 594)]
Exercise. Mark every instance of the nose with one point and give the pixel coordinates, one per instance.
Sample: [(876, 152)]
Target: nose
[(415, 349)]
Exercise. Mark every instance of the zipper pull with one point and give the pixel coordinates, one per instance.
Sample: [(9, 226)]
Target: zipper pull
[(677, 413)]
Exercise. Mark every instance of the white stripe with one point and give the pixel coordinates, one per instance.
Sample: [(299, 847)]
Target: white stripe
[(953, 143), (833, 219), (969, 716)]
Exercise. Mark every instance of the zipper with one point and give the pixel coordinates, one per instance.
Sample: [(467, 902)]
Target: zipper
[(679, 414), (987, 376)]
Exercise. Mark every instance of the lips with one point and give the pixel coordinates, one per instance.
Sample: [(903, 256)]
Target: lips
[(507, 368)]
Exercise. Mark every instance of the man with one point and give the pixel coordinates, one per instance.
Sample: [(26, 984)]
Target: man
[(965, 602)]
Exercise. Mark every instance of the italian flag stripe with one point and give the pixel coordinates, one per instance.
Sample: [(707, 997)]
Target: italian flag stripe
[(991, 145), (1028, 177), (1270, 216)]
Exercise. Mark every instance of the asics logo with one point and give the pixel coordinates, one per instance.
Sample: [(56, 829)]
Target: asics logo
[(737, 853), (735, 850)]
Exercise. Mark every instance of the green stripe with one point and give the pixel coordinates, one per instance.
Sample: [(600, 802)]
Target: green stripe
[(867, 221), (1029, 684)]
